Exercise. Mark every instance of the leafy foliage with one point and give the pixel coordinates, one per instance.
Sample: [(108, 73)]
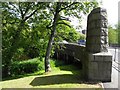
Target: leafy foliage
[(66, 33), (118, 32), (82, 37), (113, 35), (25, 67)]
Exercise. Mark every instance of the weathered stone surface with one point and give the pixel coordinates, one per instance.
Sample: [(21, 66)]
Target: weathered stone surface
[(99, 59), (97, 16), (99, 66), (94, 48), (73, 50), (98, 10), (97, 32)]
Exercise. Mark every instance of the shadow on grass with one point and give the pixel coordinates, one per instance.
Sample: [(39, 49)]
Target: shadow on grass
[(58, 79), (55, 79), (74, 78)]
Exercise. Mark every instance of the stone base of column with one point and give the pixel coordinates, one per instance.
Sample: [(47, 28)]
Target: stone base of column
[(100, 66)]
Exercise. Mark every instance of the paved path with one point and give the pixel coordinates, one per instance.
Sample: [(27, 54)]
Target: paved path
[(115, 83)]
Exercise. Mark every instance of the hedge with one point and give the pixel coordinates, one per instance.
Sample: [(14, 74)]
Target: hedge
[(25, 67)]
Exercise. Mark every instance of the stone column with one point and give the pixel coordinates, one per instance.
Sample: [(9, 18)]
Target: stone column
[(99, 58), (97, 32)]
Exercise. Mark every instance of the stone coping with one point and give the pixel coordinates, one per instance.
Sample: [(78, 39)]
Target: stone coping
[(75, 44), (103, 54)]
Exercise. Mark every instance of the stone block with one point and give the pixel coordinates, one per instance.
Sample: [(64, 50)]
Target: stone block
[(98, 58), (94, 65), (94, 40), (100, 72), (90, 75), (97, 14), (108, 74), (99, 68), (98, 10), (103, 56), (94, 33), (104, 32), (107, 58), (103, 15), (91, 57), (93, 48), (97, 32), (104, 23)]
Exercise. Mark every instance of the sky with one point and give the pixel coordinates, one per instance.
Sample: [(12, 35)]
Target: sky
[(112, 12)]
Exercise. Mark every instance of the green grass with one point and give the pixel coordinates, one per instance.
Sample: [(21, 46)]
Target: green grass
[(64, 76)]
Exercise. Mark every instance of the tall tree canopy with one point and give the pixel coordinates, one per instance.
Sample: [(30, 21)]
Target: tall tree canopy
[(30, 27)]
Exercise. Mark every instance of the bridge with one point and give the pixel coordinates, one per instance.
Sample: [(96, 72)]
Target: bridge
[(95, 58)]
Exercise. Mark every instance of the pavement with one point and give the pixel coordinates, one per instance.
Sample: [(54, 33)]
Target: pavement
[(115, 76)]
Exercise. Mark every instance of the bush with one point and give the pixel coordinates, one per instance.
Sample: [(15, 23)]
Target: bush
[(24, 67)]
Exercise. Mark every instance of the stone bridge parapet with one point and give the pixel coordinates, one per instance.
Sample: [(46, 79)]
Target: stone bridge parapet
[(71, 49), (95, 57)]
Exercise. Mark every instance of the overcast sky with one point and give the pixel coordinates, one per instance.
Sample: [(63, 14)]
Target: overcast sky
[(112, 12)]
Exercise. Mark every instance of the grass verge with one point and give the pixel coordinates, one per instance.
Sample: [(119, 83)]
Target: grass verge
[(64, 76)]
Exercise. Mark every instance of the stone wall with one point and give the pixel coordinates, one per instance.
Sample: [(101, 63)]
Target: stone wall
[(67, 50), (73, 53)]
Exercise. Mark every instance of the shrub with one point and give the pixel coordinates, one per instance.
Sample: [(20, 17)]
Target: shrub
[(24, 67)]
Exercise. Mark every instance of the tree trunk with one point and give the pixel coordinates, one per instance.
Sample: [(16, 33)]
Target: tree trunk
[(47, 60)]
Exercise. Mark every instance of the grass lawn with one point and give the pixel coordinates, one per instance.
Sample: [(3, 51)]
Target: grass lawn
[(65, 76)]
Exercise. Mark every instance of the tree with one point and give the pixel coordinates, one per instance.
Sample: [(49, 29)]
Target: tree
[(69, 9), (112, 35), (56, 15), (15, 20)]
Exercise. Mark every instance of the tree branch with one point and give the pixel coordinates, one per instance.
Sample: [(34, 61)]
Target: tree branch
[(14, 6), (30, 14), (67, 19), (21, 11), (68, 6), (64, 24), (64, 18), (27, 9)]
